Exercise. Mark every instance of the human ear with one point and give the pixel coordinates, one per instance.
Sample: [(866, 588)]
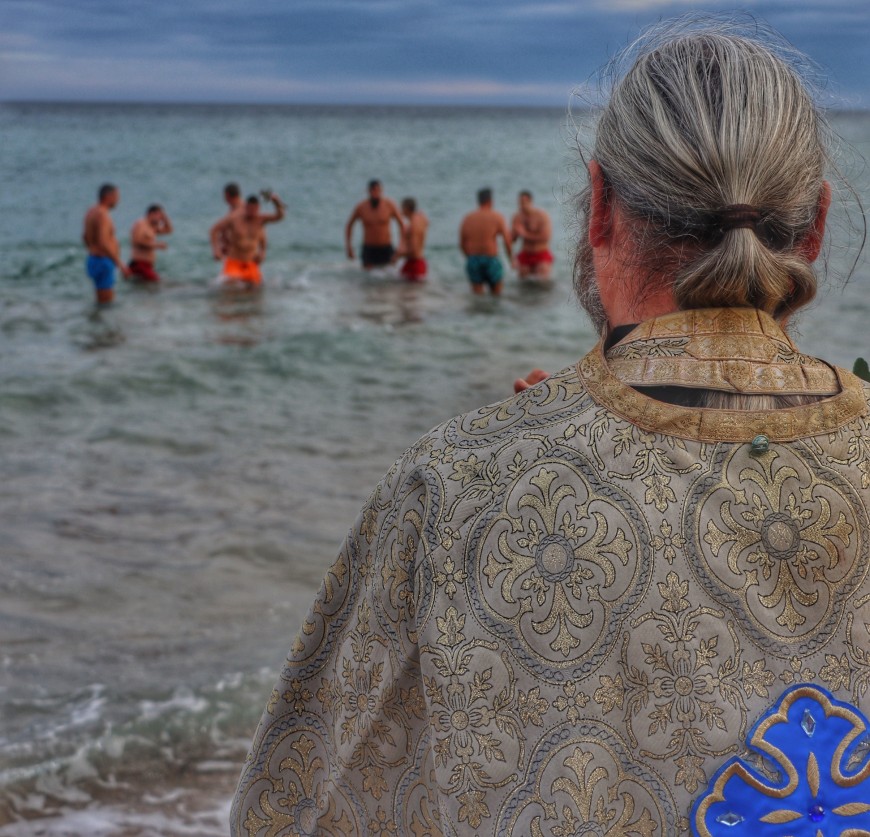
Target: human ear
[(811, 244), (600, 209)]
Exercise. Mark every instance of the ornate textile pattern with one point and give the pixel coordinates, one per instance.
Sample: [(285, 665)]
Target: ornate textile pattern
[(583, 780), (554, 568), (565, 614), (605, 385), (821, 787), (782, 541), (731, 350)]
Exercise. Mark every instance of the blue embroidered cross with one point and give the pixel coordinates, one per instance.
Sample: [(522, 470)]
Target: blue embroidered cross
[(812, 738)]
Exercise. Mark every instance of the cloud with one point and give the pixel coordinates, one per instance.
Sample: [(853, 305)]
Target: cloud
[(380, 50)]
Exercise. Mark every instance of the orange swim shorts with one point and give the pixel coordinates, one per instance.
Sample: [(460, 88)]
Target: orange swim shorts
[(243, 271)]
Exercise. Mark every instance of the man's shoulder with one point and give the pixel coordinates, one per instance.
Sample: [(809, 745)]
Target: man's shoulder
[(496, 430)]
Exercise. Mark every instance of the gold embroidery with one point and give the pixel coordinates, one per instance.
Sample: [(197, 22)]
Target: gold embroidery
[(777, 536), (719, 425)]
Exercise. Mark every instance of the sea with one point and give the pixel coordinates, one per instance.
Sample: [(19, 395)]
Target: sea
[(178, 470)]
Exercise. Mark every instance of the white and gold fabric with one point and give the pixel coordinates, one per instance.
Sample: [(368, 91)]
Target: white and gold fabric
[(585, 611)]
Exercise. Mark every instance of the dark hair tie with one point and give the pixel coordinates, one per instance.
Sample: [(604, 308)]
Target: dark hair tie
[(738, 215)]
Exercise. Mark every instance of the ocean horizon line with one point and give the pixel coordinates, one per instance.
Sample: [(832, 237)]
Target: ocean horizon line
[(396, 106), (338, 106)]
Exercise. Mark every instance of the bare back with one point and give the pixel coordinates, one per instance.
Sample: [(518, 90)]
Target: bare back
[(99, 233), (415, 235), (480, 230)]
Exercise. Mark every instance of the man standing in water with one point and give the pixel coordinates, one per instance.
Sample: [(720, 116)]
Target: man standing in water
[(375, 214), (244, 240), (233, 198), (532, 225), (104, 254), (478, 240), (413, 240), (143, 238)]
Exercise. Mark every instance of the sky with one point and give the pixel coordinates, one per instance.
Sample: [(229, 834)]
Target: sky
[(492, 52)]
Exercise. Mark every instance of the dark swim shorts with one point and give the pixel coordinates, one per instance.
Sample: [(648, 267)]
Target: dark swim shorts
[(377, 256), (484, 269), (102, 270), (143, 270)]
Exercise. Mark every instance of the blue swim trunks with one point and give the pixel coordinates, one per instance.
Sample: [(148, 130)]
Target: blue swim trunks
[(102, 270), (482, 269)]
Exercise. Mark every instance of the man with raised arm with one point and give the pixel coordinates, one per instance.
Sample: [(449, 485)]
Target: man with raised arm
[(632, 599), (235, 204), (375, 214), (104, 253), (243, 238), (532, 225), (478, 240), (144, 243)]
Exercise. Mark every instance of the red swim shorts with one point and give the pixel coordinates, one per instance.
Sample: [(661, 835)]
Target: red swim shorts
[(143, 270), (532, 258), (414, 269), (242, 271)]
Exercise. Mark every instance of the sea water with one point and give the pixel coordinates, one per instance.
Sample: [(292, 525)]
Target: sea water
[(178, 470)]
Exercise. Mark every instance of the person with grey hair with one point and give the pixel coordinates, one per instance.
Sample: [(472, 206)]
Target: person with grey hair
[(632, 599)]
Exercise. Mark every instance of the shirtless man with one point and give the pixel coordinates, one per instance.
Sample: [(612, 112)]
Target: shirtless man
[(532, 225), (233, 198), (143, 238), (478, 240), (239, 238), (413, 240), (375, 214), (104, 254)]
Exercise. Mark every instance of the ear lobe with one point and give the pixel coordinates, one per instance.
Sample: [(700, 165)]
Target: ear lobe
[(811, 244), (600, 210)]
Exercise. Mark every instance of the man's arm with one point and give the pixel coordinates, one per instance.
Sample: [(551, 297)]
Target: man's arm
[(463, 238), (506, 238), (262, 243), (107, 242), (546, 227), (343, 648), (354, 216), (165, 225), (217, 236), (394, 213), (518, 230), (278, 214)]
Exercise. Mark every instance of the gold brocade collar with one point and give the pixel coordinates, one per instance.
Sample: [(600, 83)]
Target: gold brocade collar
[(730, 349)]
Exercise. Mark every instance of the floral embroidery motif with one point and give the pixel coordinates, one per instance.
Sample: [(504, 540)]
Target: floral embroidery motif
[(654, 467), (684, 686), (778, 535), (668, 542), (472, 719), (297, 803), (582, 784), (858, 450), (812, 737), (561, 561)]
